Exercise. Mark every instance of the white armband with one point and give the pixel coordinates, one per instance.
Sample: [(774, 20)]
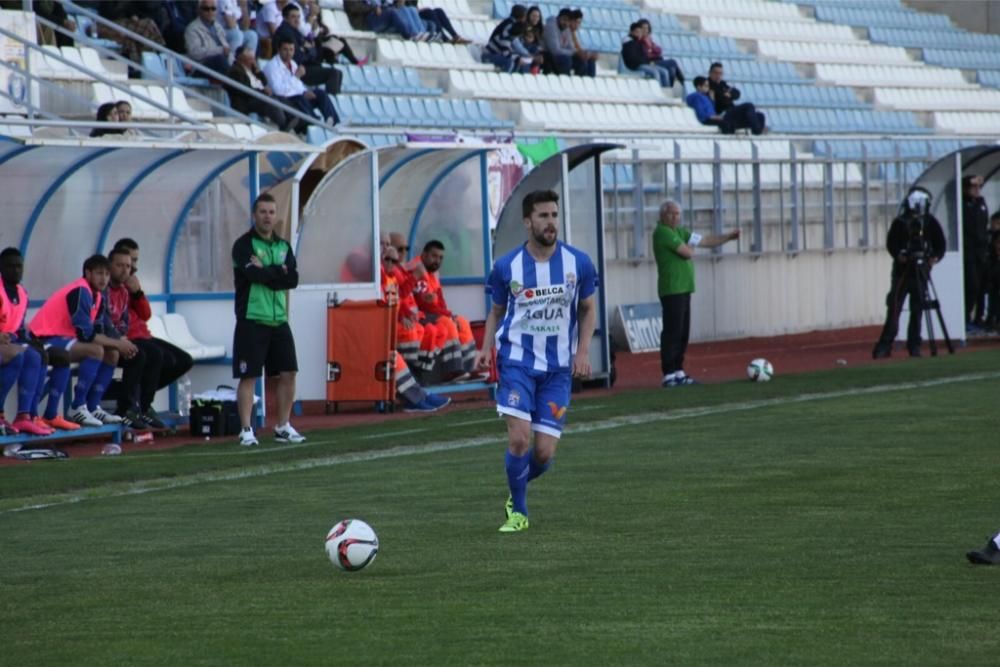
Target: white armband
[(694, 240)]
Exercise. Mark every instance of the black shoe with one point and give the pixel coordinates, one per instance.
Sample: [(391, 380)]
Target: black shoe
[(133, 420), (881, 352), (915, 352), (152, 420), (988, 555)]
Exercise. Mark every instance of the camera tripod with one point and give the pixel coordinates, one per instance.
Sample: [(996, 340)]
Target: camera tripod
[(928, 301)]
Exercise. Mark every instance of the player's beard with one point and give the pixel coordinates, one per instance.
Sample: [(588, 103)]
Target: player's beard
[(543, 237)]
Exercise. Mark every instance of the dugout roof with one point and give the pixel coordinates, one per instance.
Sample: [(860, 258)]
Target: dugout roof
[(66, 199)]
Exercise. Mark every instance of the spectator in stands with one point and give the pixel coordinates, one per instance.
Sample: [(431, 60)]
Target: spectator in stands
[(498, 49), (13, 306), (975, 251), (654, 53), (124, 108), (106, 113), (421, 29), (673, 248), (584, 61), (534, 19), (560, 48), (430, 298), (741, 116), (526, 49), (306, 54), (371, 15), (53, 11), (234, 17), (284, 76), (415, 398), (267, 21), (174, 18), (172, 362), (439, 18), (73, 319), (264, 268), (723, 95), (246, 72), (138, 17), (634, 58), (331, 46), (205, 40)]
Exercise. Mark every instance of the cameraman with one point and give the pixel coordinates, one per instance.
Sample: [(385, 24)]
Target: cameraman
[(916, 243)]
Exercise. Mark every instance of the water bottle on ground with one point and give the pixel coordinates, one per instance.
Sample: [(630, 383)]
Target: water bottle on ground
[(184, 396)]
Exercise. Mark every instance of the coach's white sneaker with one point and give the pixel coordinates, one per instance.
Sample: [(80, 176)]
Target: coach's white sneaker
[(84, 417), (286, 433), (105, 417), (247, 438)]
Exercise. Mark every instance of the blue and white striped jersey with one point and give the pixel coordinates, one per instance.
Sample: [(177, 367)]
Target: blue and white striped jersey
[(539, 330)]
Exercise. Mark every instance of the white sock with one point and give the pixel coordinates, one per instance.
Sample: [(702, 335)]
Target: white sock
[(282, 427)]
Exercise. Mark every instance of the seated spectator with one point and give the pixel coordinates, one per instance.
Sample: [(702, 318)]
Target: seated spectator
[(723, 94), (420, 29), (53, 11), (634, 57), (306, 54), (437, 16), (498, 50), (234, 17), (73, 319), (135, 16), (331, 46), (535, 21), (163, 363), (526, 49), (246, 72), (285, 78), (741, 116), (584, 61), (267, 22), (124, 108), (13, 306), (562, 55), (371, 15), (107, 113), (654, 54), (205, 40)]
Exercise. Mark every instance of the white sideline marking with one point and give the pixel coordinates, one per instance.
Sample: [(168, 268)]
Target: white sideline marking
[(138, 488)]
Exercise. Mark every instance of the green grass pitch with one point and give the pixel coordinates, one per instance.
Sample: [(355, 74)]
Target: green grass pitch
[(816, 519)]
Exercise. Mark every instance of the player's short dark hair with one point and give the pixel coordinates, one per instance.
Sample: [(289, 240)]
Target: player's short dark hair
[(127, 243), (95, 262), (518, 12), (284, 40), (565, 13), (265, 197), (968, 179), (9, 252), (714, 65), (643, 22), (576, 14), (537, 197), (699, 81), (119, 250), (433, 244), (289, 8)]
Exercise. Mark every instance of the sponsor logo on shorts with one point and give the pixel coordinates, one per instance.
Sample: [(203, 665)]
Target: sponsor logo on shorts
[(558, 411), (243, 367), (514, 398)]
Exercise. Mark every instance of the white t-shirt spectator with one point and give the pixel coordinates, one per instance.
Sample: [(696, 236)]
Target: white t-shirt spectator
[(268, 14), (230, 8), (282, 80)]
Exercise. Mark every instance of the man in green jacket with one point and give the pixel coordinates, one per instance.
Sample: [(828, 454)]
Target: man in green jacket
[(264, 269), (673, 247)]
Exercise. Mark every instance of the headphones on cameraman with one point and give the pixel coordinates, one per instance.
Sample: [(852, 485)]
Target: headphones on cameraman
[(917, 202)]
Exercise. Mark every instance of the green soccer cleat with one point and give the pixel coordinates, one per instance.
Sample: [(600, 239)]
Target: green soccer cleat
[(515, 524), (508, 507)]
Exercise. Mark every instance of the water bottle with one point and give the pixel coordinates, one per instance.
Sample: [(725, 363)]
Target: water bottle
[(184, 396)]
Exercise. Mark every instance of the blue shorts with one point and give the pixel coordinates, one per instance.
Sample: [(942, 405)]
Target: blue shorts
[(536, 396), (58, 342)]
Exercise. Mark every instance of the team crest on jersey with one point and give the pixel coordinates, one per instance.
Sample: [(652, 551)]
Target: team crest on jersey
[(514, 398), (570, 281), (515, 287)]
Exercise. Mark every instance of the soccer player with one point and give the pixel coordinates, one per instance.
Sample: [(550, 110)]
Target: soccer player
[(73, 319), (264, 270), (988, 555), (542, 322)]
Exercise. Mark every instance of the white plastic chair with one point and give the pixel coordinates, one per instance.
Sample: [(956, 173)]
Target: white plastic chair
[(180, 335)]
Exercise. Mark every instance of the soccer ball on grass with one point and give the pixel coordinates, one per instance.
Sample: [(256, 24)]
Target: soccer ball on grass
[(760, 370), (351, 545)]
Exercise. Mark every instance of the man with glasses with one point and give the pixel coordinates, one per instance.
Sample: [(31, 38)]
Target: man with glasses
[(205, 40), (975, 251)]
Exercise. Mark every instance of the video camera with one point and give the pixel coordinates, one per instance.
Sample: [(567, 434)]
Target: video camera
[(915, 209)]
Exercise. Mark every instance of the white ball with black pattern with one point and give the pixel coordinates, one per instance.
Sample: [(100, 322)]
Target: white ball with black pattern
[(760, 370)]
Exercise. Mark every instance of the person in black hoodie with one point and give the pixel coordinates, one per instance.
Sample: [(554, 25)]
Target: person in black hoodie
[(723, 94), (635, 58)]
